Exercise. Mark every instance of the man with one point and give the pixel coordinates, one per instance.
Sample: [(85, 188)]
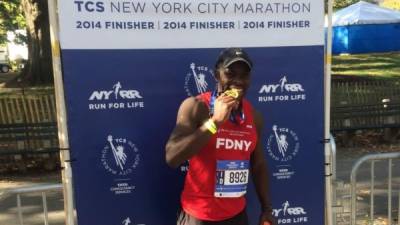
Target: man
[(219, 133)]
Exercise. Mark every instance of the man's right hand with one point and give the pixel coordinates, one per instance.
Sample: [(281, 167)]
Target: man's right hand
[(223, 106)]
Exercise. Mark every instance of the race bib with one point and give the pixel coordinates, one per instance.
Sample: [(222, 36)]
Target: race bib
[(232, 178)]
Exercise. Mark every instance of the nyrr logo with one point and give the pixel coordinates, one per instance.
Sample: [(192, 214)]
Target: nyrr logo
[(283, 144), (116, 93), (282, 91), (120, 156), (290, 214), (198, 80), (286, 210), (128, 221), (116, 98), (282, 86)]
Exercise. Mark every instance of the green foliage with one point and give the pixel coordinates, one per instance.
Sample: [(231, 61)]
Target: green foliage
[(11, 19), (392, 4), (339, 4)]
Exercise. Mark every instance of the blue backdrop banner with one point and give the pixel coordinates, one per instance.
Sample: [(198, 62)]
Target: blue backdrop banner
[(127, 65)]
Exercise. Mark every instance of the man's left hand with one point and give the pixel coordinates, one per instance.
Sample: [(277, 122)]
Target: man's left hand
[(266, 219)]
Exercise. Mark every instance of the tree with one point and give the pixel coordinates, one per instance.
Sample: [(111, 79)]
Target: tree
[(39, 69), (391, 4), (33, 16), (11, 19)]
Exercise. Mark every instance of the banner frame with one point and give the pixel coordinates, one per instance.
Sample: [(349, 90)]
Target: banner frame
[(63, 130), (327, 136), (61, 114)]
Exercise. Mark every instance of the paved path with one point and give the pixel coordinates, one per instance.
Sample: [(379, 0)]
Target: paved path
[(345, 162), (32, 203)]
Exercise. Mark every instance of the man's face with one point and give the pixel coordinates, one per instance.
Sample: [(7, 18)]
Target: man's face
[(235, 76)]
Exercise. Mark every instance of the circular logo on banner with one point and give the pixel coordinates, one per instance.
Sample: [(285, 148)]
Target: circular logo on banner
[(120, 156), (200, 79), (283, 144)]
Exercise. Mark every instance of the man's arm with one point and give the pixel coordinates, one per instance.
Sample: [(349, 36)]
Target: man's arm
[(189, 134), (260, 174)]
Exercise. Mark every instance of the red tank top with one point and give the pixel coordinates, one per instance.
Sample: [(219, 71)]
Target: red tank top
[(217, 177)]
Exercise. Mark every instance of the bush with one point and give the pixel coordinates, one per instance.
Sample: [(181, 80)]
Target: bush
[(18, 64)]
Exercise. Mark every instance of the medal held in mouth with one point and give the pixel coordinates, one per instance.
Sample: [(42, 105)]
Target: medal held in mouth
[(236, 117), (232, 92)]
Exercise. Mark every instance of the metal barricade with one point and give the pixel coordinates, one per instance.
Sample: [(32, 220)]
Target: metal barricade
[(353, 181), (34, 189)]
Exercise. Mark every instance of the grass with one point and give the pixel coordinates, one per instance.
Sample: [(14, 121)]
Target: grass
[(371, 66)]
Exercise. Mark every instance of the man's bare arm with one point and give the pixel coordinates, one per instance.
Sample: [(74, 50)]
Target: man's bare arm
[(189, 134), (260, 173)]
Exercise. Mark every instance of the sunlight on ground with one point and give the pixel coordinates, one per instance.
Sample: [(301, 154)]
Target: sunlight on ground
[(376, 65), (377, 221)]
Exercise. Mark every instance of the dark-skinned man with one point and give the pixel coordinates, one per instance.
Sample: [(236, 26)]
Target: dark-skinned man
[(219, 133)]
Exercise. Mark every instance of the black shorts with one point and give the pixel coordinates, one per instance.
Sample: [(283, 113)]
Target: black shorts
[(186, 219)]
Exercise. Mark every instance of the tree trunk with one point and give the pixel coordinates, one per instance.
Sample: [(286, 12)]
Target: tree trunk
[(38, 69)]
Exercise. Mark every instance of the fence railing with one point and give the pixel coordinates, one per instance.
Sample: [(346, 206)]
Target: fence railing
[(365, 104), (43, 189), (27, 105), (353, 180), (27, 126)]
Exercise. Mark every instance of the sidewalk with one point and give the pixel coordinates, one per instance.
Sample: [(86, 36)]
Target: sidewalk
[(32, 203), (345, 161)]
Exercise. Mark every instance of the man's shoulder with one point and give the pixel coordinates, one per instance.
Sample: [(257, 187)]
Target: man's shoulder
[(193, 101), (194, 107)]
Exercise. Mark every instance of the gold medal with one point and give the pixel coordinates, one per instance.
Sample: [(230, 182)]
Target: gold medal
[(232, 92)]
